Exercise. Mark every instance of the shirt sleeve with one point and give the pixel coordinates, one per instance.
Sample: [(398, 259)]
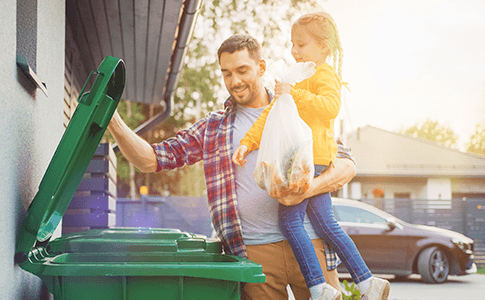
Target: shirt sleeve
[(333, 261), (186, 147), (323, 96), (252, 139), (344, 152)]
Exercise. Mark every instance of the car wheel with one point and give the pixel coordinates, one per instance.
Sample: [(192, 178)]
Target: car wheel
[(433, 265)]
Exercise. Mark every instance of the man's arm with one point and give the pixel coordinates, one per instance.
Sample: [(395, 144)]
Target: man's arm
[(330, 180), (134, 148), (334, 177)]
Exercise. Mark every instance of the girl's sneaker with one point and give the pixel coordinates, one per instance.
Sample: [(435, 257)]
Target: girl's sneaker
[(378, 290), (329, 293)]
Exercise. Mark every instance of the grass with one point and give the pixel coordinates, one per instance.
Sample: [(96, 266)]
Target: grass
[(481, 271), (351, 291)]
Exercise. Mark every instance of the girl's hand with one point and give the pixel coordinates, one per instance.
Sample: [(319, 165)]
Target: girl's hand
[(281, 88), (239, 155)]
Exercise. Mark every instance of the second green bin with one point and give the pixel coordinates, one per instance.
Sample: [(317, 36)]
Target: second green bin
[(146, 264)]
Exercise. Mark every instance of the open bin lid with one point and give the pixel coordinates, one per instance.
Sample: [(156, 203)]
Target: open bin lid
[(97, 103)]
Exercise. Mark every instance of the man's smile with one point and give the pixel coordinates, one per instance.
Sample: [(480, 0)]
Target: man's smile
[(239, 91)]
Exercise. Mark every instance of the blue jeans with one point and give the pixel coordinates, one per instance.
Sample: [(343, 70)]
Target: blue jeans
[(320, 213)]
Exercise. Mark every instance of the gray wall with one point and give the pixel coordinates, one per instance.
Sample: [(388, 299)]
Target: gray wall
[(30, 129)]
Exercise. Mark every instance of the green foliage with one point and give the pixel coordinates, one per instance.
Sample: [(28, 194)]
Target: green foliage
[(477, 141), (351, 291), (433, 131), (134, 120), (136, 110), (481, 271), (200, 88)]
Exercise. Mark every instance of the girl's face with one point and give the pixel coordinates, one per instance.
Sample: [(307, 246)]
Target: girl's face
[(306, 48)]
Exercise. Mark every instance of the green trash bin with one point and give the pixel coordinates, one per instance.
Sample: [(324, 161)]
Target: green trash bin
[(116, 263), (123, 239)]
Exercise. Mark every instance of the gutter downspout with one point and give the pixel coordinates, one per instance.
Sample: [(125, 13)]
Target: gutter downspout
[(186, 28)]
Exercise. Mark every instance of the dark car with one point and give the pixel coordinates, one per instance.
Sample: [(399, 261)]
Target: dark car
[(391, 246)]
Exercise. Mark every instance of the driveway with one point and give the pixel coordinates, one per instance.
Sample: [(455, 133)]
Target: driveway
[(469, 287)]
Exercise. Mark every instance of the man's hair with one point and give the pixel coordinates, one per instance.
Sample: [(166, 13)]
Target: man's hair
[(240, 42)]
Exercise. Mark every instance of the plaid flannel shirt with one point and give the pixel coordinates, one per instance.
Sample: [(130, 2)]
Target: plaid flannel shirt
[(210, 139)]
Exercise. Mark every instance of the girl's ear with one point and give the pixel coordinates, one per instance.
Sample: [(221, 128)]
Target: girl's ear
[(326, 50), (262, 67)]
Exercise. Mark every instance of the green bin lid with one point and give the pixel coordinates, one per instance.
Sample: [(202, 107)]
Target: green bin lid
[(97, 103)]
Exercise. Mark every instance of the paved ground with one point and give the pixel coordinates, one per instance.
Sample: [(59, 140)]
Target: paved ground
[(469, 287)]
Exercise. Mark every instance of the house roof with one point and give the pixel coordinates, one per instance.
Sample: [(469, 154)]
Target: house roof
[(150, 36), (383, 153)]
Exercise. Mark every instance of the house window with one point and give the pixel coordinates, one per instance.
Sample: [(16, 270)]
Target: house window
[(402, 195), (469, 195)]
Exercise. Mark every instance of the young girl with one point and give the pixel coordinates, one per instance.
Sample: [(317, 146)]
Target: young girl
[(315, 37)]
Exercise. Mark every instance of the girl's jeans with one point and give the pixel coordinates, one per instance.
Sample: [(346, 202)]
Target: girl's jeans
[(320, 213)]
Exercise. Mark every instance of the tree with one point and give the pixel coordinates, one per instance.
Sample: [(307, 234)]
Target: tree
[(133, 115), (267, 20), (477, 141), (200, 87), (433, 131)]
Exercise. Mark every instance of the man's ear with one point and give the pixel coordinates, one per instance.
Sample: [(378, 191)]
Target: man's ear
[(262, 67)]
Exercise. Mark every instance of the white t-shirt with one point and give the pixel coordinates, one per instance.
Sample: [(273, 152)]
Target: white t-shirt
[(258, 211)]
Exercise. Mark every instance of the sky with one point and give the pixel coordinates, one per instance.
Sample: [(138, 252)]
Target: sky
[(411, 60)]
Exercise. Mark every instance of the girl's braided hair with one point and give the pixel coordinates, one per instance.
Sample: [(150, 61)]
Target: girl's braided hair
[(322, 27)]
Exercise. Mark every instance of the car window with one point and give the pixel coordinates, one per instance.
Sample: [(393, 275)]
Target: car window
[(356, 215)]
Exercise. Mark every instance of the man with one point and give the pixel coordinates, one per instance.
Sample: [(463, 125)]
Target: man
[(243, 215)]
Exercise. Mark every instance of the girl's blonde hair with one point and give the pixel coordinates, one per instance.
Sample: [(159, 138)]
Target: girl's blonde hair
[(322, 27)]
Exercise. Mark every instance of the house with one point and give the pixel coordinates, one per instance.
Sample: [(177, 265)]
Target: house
[(48, 49), (393, 166)]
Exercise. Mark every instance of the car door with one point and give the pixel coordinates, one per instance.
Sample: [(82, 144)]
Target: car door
[(382, 249)]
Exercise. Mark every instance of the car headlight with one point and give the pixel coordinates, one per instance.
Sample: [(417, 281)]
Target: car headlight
[(464, 246)]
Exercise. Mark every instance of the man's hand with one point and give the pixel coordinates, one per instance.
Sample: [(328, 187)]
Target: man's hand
[(292, 199), (334, 177)]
